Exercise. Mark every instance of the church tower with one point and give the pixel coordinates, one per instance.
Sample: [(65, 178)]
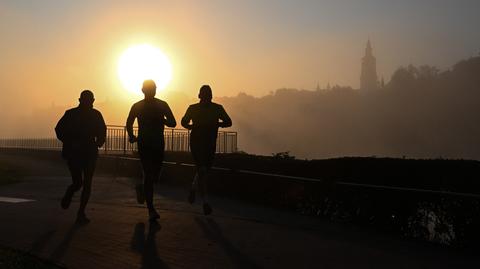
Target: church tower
[(368, 77)]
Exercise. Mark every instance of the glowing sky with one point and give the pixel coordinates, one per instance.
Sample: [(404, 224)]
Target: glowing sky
[(52, 49)]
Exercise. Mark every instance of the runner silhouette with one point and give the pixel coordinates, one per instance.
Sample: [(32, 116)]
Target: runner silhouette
[(82, 131), (205, 117), (152, 115)]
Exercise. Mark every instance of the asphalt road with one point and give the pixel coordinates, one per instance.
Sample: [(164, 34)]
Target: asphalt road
[(237, 235)]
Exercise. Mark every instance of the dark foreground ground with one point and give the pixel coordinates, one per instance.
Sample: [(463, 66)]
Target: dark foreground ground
[(237, 235)]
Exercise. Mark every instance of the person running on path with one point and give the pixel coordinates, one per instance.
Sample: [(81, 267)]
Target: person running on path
[(82, 131), (205, 117), (152, 115)]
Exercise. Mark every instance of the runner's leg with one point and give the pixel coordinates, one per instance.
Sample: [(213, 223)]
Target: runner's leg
[(194, 149), (202, 183), (148, 163), (195, 180), (155, 167), (88, 170), (151, 164), (206, 161), (208, 154), (148, 183), (146, 160), (76, 173), (191, 195), (207, 209)]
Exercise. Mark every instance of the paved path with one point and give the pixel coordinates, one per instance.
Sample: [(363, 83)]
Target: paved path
[(238, 235)]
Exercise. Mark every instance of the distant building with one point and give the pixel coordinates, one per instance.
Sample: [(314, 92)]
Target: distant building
[(368, 76)]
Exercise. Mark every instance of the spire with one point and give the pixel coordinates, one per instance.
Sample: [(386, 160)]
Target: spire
[(368, 49), (368, 76)]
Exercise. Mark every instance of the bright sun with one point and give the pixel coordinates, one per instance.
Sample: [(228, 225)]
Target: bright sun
[(142, 62)]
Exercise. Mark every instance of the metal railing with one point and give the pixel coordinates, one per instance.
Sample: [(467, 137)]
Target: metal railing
[(117, 141)]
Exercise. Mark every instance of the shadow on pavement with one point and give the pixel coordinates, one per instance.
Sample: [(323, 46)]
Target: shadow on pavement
[(40, 243), (147, 246), (61, 249), (214, 232)]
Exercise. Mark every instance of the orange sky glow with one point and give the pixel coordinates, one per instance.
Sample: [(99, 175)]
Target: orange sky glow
[(51, 51)]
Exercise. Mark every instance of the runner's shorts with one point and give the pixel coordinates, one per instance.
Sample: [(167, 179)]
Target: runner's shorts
[(151, 157), (203, 149)]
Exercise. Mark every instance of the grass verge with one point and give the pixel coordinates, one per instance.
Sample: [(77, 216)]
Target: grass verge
[(14, 259)]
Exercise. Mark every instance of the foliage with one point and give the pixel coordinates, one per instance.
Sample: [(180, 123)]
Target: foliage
[(284, 155)]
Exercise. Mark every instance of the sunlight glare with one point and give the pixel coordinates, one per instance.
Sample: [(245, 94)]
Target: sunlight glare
[(142, 62)]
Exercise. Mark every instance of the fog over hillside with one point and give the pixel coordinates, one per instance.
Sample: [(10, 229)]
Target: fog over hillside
[(421, 112)]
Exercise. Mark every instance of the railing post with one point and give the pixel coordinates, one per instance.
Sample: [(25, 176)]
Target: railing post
[(105, 146), (117, 141), (225, 142), (173, 130), (188, 140), (236, 142), (125, 141)]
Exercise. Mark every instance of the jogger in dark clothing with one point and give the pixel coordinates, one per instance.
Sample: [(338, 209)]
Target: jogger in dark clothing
[(206, 118), (152, 115), (82, 131)]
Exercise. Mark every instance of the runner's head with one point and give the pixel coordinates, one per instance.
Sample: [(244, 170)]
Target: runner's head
[(205, 93), (149, 88), (86, 98)]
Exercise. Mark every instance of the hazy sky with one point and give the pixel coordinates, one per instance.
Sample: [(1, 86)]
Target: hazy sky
[(52, 49)]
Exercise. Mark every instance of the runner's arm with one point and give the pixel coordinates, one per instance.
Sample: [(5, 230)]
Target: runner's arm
[(169, 118), (102, 130), (186, 119), (225, 119), (129, 125), (60, 129)]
